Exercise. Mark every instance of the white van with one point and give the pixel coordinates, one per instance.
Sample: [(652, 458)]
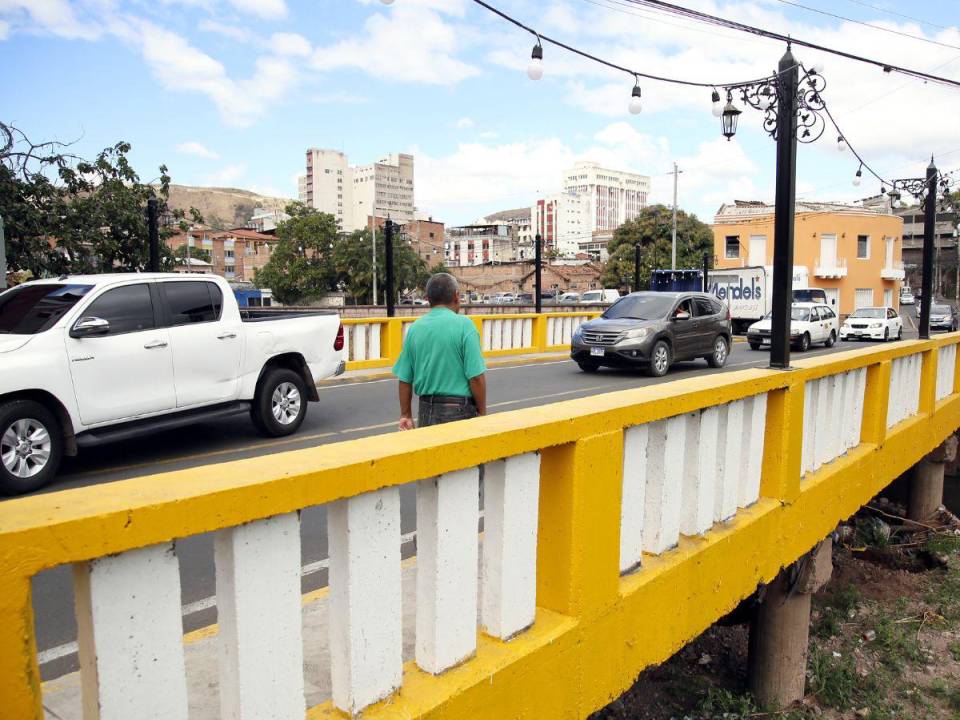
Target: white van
[(600, 297)]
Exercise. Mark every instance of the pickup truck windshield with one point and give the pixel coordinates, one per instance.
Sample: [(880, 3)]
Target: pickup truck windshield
[(31, 309), (639, 307)]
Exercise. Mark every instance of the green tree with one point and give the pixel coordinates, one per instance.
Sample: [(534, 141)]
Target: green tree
[(300, 267), (353, 263), (64, 214), (181, 254), (440, 267), (652, 230)]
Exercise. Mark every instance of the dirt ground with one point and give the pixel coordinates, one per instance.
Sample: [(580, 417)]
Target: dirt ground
[(884, 637)]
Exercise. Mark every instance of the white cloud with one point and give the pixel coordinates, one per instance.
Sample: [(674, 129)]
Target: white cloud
[(290, 44), (226, 176), (197, 150), (464, 123), (267, 9), (414, 43), (234, 32), (4, 30), (53, 16)]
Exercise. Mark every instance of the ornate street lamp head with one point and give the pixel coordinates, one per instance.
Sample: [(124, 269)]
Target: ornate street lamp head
[(729, 118)]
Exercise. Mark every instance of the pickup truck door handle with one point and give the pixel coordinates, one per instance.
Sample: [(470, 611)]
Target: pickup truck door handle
[(226, 336), (153, 345)]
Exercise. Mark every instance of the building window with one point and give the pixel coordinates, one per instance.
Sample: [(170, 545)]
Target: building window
[(863, 297), (732, 247), (863, 247)]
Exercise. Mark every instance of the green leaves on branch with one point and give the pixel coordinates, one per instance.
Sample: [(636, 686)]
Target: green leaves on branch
[(653, 231)]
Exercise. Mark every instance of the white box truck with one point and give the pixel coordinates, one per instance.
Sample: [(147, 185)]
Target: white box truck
[(747, 291)]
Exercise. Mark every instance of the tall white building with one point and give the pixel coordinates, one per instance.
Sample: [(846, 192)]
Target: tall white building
[(354, 194), (612, 196), (563, 221)]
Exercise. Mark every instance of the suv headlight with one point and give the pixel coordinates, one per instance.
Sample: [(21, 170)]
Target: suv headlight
[(637, 334)]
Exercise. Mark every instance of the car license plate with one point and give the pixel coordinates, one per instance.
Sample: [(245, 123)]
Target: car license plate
[(597, 352)]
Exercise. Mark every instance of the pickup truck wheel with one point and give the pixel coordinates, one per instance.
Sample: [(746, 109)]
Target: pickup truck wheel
[(31, 446), (280, 404)]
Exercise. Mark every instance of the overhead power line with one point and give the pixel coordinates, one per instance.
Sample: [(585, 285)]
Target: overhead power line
[(743, 27), (869, 25), (896, 14)]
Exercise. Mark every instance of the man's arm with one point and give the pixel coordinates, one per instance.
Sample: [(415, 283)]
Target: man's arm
[(406, 403), (478, 388)]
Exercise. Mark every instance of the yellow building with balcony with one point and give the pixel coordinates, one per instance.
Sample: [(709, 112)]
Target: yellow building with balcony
[(854, 253)]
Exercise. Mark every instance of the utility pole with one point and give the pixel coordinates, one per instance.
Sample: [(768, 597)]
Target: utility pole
[(153, 229), (389, 292), (636, 267), (673, 251), (929, 228), (537, 279), (3, 258), (788, 80), (373, 253)]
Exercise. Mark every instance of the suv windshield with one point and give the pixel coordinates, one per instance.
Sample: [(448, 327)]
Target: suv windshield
[(31, 309), (869, 313), (640, 307), (940, 309)]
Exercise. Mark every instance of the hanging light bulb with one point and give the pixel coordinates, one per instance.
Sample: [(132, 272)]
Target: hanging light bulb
[(535, 68), (717, 107), (817, 68), (636, 104), (765, 98), (858, 177), (841, 143)]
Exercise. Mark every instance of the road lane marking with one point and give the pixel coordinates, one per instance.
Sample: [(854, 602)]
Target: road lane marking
[(70, 648)]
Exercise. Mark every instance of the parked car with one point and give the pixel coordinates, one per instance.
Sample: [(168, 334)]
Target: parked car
[(412, 301), (907, 297), (92, 359), (569, 298), (503, 299), (600, 297), (527, 298), (809, 323), (654, 330), (872, 323), (943, 317)]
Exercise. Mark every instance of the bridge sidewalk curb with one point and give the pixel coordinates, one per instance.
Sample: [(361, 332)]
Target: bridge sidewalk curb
[(385, 374)]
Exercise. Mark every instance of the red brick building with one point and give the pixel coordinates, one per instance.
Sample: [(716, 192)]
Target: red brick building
[(234, 254)]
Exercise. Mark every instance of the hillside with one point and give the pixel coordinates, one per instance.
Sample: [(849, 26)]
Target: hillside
[(222, 207)]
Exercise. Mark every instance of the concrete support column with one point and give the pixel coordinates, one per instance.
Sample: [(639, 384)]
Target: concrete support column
[(780, 628), (926, 481)]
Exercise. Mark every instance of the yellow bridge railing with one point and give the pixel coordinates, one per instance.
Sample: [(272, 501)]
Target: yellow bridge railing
[(616, 528), (376, 342)]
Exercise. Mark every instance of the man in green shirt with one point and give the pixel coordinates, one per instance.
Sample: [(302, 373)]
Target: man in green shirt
[(441, 361)]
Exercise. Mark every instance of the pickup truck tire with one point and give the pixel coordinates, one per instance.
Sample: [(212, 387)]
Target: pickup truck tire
[(31, 446), (280, 404)]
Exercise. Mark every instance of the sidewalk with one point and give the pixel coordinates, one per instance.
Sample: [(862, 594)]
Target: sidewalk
[(62, 699)]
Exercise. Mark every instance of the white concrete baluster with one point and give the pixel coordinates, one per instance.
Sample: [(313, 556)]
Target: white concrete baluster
[(893, 398), (359, 342), (725, 503), (916, 371), (487, 326), (944, 363), (567, 330), (838, 383), (447, 547), (366, 648), (258, 611), (527, 333), (709, 469), (348, 341), (858, 402), (516, 327), (130, 636), (751, 462), (632, 503), (496, 335), (665, 452), (809, 425), (375, 330), (696, 496), (511, 495), (822, 426)]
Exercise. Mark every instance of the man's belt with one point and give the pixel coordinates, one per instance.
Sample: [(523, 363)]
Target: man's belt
[(446, 399)]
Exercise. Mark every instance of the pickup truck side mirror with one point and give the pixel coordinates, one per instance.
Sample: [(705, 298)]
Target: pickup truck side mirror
[(682, 316), (89, 327)]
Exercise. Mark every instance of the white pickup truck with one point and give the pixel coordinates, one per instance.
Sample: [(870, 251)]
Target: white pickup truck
[(91, 359)]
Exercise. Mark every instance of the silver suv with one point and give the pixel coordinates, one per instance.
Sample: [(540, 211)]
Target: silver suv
[(653, 330)]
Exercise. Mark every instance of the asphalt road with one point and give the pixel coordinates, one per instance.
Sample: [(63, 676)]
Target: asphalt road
[(344, 412)]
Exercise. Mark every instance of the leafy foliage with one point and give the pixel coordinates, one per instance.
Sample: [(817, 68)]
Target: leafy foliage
[(65, 214), (653, 230), (311, 259)]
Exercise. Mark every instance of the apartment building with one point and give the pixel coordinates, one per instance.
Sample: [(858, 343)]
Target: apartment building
[(424, 235), (612, 196), (562, 221), (854, 253), (518, 220), (328, 185), (234, 254), (479, 245)]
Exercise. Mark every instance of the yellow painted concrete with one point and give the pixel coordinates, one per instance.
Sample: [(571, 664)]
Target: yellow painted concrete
[(594, 630), (809, 228)]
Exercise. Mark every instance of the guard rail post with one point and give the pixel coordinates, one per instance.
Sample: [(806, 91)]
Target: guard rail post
[(783, 444), (540, 333), (21, 693), (391, 339), (876, 399)]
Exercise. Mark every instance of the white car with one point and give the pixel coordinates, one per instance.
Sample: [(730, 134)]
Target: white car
[(600, 297), (91, 359), (907, 298), (809, 323), (872, 323)]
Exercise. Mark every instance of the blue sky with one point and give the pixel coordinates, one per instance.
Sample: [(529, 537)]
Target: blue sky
[(231, 92)]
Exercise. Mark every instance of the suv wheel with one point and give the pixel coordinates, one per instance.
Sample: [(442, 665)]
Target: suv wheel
[(831, 341), (659, 359), (280, 404), (31, 446), (718, 358), (589, 367)]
